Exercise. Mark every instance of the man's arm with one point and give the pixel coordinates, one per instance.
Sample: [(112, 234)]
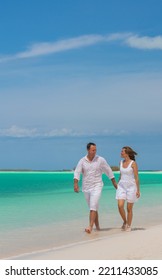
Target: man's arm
[(108, 171), (114, 183), (77, 172), (76, 186)]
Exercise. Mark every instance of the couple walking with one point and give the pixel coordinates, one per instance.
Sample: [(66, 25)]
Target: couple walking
[(92, 167)]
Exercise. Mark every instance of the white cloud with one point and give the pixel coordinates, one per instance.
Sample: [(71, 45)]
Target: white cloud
[(60, 46), (59, 132), (20, 132), (151, 43), (45, 48), (15, 131)]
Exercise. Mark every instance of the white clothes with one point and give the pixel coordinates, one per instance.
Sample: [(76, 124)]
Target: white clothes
[(92, 197), (127, 187), (92, 172)]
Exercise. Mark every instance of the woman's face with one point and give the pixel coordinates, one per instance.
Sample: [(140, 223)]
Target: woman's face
[(123, 153)]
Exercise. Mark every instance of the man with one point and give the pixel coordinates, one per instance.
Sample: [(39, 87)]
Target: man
[(92, 167)]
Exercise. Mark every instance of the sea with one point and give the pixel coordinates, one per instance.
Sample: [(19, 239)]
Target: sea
[(39, 210)]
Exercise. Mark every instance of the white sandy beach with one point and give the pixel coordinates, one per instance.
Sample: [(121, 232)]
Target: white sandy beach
[(139, 244)]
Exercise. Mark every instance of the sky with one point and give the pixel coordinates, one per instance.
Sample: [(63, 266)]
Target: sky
[(74, 71)]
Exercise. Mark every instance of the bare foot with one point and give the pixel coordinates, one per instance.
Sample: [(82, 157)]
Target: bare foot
[(88, 230), (98, 228), (123, 227)]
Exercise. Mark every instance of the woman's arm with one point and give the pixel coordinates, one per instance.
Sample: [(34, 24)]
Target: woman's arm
[(135, 170)]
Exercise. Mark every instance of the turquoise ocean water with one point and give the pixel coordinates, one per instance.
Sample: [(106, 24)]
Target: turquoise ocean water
[(40, 211)]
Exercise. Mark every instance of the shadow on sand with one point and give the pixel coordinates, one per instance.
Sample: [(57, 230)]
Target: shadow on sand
[(110, 229)]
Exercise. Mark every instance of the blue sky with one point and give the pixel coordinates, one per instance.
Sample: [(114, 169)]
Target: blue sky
[(83, 69)]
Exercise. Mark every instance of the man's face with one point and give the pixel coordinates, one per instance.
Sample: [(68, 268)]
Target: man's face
[(92, 151)]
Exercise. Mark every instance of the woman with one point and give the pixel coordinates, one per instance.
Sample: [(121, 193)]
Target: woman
[(128, 186)]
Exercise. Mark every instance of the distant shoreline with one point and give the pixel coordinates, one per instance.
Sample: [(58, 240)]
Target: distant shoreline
[(33, 170), (61, 171)]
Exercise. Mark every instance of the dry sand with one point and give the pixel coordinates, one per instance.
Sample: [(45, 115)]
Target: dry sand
[(139, 244)]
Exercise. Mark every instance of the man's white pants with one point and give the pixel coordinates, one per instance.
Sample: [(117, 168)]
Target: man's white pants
[(92, 197)]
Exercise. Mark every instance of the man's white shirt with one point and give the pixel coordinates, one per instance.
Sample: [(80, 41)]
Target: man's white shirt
[(92, 172)]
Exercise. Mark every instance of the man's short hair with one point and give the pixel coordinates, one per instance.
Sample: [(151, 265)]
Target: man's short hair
[(90, 144)]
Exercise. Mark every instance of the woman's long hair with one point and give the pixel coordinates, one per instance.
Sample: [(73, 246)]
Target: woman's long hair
[(130, 152)]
